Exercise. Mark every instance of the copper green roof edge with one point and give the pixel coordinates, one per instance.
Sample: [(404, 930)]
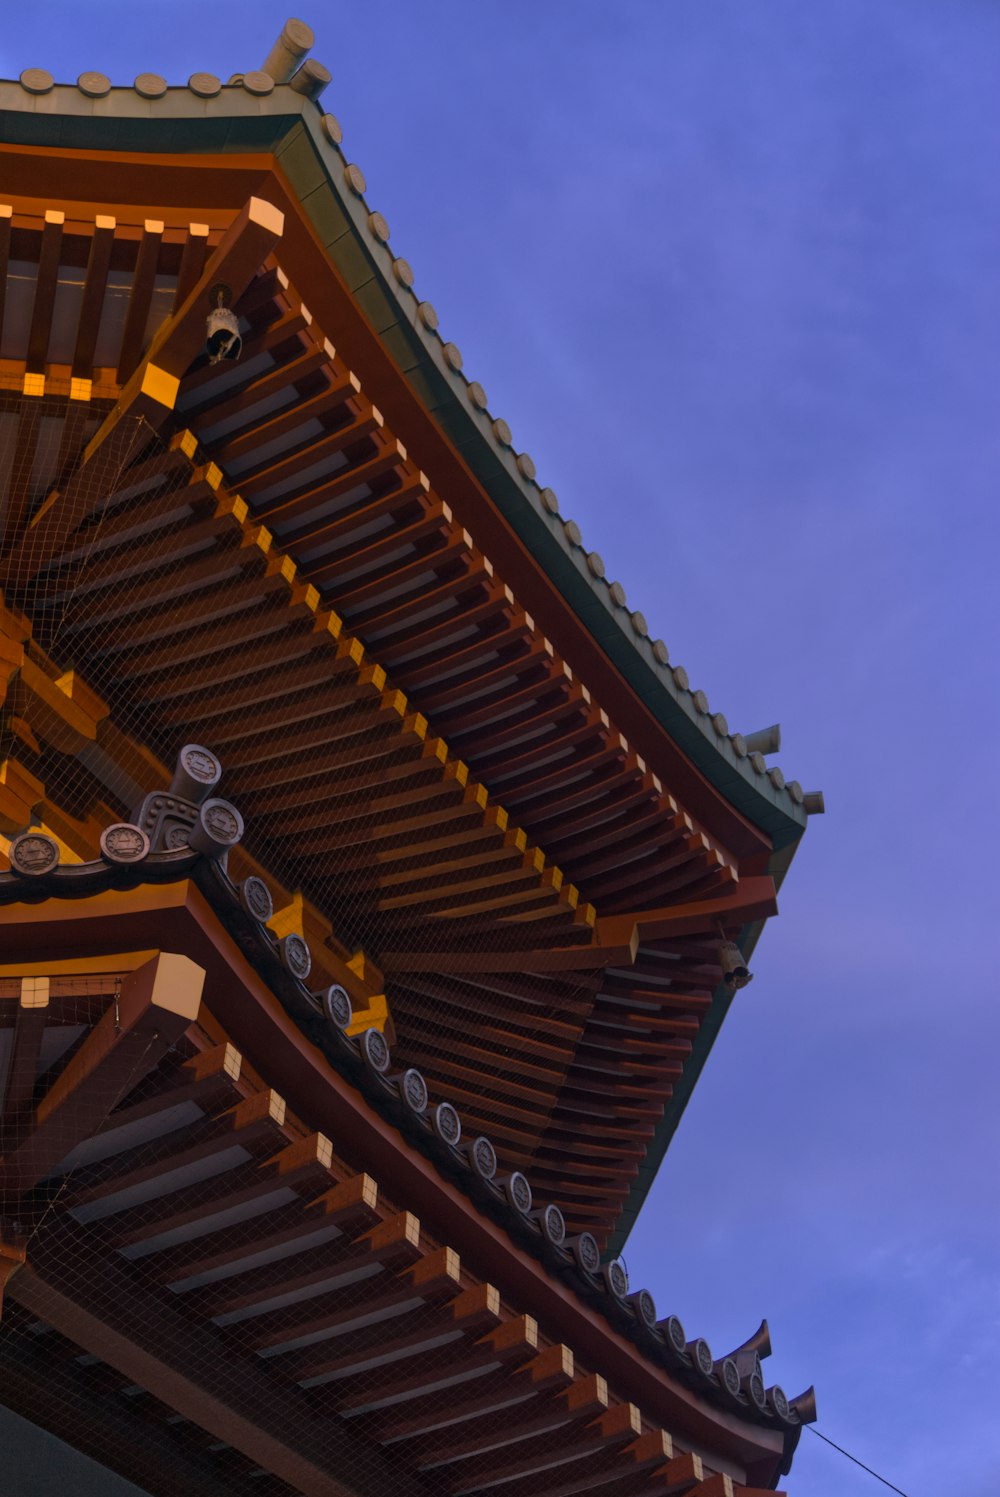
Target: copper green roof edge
[(291, 126)]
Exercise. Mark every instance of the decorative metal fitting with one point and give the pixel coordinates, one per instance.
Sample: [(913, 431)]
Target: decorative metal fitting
[(222, 329), (337, 1006), (735, 972), (295, 955), (644, 1306), (124, 844), (729, 1376), (219, 826), (765, 740), (586, 1252), (518, 1192), (482, 1156), (413, 1091), (375, 1050), (33, 855), (674, 1335), (447, 1124), (255, 897)]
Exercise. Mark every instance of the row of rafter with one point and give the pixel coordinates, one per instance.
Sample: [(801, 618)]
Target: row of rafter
[(205, 613), (314, 459), (82, 297), (287, 1271), (489, 959)]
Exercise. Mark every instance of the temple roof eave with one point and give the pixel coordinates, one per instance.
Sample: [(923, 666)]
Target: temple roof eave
[(294, 130), (186, 900)]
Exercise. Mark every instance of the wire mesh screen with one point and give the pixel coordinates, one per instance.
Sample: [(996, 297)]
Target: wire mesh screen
[(185, 625), (195, 1255)]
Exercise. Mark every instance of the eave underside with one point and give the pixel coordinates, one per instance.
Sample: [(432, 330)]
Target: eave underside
[(327, 575), (239, 1286)]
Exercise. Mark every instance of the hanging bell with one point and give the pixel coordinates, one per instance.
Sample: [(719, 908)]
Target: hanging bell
[(735, 972), (222, 331)]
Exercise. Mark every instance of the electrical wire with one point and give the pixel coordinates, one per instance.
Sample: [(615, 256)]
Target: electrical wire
[(892, 1488)]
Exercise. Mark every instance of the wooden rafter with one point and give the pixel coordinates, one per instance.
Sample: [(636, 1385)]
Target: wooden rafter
[(157, 1347), (140, 298), (151, 392), (332, 1284), (45, 291), (156, 1005)]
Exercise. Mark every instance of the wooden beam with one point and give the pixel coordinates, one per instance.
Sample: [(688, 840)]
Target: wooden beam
[(377, 454), (206, 1263), (486, 603), (207, 1083), (241, 443), (186, 670), (361, 1252), (22, 1067), (243, 604), (369, 561), (334, 531), (250, 1128), (483, 1399), (479, 963), (513, 1341), (750, 899), (158, 1002), (140, 298), (317, 673), (208, 571), (192, 263), (45, 291), (613, 1428), (371, 1321), (64, 1398), (621, 1470), (380, 1349), (6, 214), (210, 411), (243, 248), (106, 1309), (92, 302), (62, 511), (144, 557), (552, 1411), (151, 392), (252, 1190), (19, 484)]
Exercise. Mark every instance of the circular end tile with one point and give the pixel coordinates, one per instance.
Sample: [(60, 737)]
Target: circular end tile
[(258, 83), (403, 271), (37, 81), (94, 85), (355, 179), (205, 85), (150, 86)]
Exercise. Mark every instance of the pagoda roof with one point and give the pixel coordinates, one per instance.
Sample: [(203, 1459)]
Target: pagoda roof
[(229, 1060), (741, 818), (207, 118)]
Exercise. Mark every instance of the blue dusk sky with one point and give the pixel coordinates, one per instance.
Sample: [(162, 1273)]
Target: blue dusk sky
[(729, 269)]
